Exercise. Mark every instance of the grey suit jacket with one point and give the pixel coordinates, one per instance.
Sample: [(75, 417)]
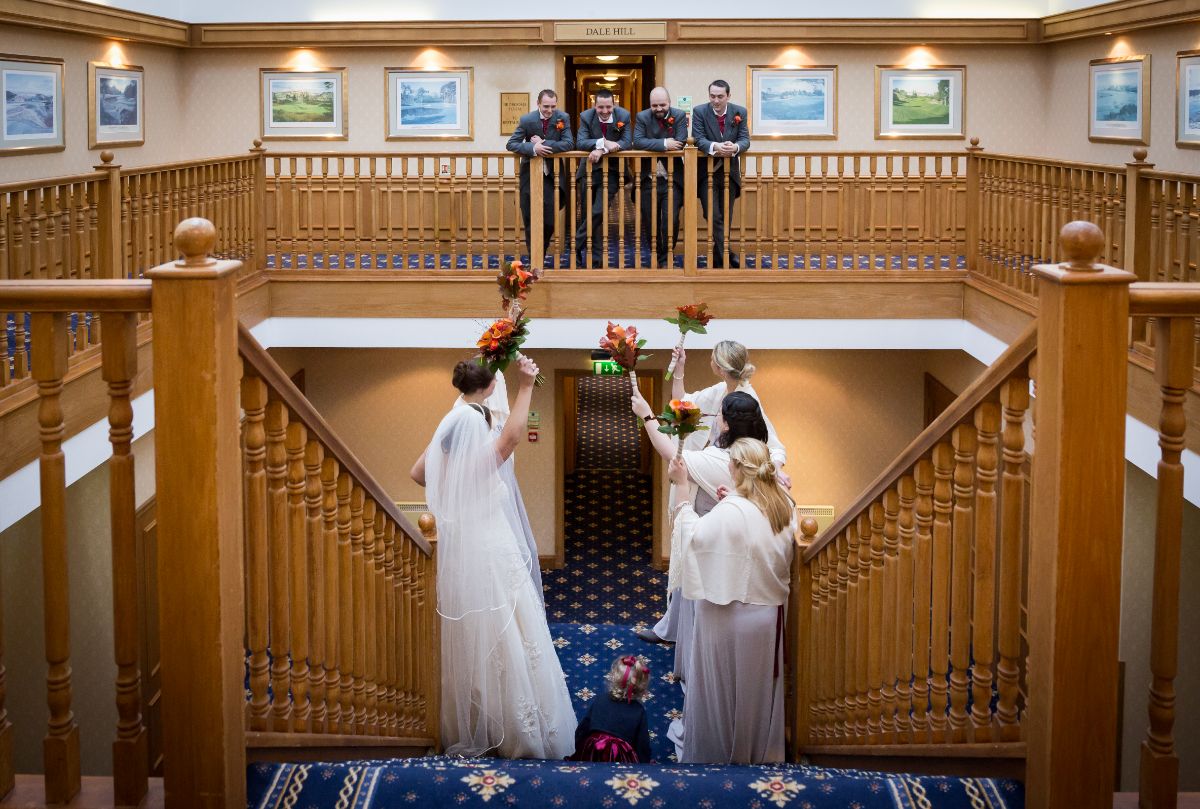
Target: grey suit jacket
[(707, 131), (620, 130), (649, 133), (560, 140)]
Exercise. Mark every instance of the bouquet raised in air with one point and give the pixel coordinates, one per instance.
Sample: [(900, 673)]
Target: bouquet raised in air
[(624, 346), (692, 317), (501, 342), (515, 282), (680, 419)]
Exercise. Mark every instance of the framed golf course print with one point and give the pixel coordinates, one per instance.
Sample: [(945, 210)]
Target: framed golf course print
[(303, 104), (929, 102)]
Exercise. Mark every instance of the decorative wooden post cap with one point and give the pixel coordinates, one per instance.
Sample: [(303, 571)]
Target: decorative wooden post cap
[(808, 527), (428, 526), (257, 145), (106, 156), (1140, 154), (975, 147), (1082, 242), (195, 239)]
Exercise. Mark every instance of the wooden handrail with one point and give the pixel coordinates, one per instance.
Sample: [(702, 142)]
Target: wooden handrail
[(28, 185), (253, 352), (189, 164), (1050, 161), (1178, 299), (1014, 356), (114, 295)]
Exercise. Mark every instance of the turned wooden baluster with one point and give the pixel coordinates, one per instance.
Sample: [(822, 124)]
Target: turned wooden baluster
[(922, 600), (391, 626), (889, 659), (403, 634), (119, 367), (430, 641), (379, 622), (964, 439), (298, 593), (332, 567), (1014, 398), (844, 654), (277, 565), (875, 627), (943, 455), (862, 652), (254, 440), (314, 458), (1174, 346), (906, 491), (358, 609), (852, 629), (345, 605), (822, 719), (987, 423), (369, 619)]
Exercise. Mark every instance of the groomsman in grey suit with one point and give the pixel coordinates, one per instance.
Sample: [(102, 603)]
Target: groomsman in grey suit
[(662, 128), (603, 130), (541, 133), (722, 130)]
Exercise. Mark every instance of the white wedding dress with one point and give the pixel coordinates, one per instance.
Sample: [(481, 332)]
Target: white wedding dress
[(503, 691)]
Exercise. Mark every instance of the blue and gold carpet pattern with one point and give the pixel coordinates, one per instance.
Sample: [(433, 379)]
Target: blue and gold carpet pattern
[(444, 782)]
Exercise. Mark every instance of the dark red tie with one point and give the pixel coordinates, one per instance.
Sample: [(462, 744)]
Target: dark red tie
[(721, 123), (603, 130), (545, 127)]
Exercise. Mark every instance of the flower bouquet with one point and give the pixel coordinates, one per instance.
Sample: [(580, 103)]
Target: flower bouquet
[(501, 342), (515, 282), (680, 419), (623, 345), (691, 318)]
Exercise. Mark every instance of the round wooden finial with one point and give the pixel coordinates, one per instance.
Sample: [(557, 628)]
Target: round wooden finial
[(975, 141), (1140, 154), (106, 156), (258, 143), (195, 239), (1082, 243), (428, 526), (808, 527)]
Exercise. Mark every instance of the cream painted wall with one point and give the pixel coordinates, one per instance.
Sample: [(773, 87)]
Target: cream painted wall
[(1137, 577), (1066, 87), (89, 565), (164, 88)]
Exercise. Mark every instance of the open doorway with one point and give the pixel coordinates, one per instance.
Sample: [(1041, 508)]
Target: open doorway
[(629, 76)]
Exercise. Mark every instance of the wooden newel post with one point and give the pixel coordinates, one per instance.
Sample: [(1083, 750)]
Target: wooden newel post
[(691, 207), (537, 219), (1137, 216), (433, 667), (110, 259), (800, 661), (199, 477), (1076, 526), (258, 218), (974, 204)]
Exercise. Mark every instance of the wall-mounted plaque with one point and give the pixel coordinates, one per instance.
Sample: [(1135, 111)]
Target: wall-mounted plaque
[(512, 107), (608, 33)]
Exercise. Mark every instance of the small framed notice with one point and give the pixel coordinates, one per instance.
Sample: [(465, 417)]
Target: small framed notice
[(512, 107)]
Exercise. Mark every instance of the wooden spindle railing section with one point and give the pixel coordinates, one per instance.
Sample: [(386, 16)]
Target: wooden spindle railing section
[(907, 586), (1174, 308), (339, 607), (50, 335)]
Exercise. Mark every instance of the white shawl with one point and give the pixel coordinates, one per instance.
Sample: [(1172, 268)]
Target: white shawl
[(709, 401), (708, 470), (731, 554)]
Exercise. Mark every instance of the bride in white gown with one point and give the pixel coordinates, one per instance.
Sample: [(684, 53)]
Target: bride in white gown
[(503, 691)]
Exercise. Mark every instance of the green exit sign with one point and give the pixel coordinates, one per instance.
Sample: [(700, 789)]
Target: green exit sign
[(605, 368)]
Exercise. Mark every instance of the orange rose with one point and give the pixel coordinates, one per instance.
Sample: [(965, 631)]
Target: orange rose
[(737, 119), (559, 125)]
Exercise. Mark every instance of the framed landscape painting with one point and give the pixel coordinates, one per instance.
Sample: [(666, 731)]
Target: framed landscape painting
[(32, 89), (429, 104), (303, 104), (928, 103), (1119, 100), (116, 105), (792, 103), (1187, 99)]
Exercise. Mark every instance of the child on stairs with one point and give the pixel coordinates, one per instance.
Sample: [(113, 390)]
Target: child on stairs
[(614, 727)]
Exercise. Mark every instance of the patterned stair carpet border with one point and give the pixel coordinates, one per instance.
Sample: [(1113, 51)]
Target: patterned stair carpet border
[(439, 781), (630, 259), (608, 435)]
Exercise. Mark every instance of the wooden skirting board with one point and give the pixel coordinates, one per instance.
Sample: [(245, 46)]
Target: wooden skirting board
[(103, 21)]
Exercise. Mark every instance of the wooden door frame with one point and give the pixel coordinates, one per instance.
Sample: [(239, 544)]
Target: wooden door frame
[(559, 559), (561, 52)]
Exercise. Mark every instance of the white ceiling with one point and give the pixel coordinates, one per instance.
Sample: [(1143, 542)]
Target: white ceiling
[(213, 11)]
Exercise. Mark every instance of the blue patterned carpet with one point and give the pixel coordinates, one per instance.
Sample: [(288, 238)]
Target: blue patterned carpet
[(442, 782)]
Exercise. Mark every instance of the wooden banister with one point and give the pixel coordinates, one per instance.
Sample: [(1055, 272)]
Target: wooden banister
[(983, 387), (113, 295), (257, 356), (1179, 299)]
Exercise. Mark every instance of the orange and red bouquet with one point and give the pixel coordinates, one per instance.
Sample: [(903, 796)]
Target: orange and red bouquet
[(680, 419), (501, 342), (623, 345), (515, 282), (692, 317)]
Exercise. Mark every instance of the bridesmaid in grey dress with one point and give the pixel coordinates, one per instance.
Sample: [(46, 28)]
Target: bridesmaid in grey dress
[(736, 567)]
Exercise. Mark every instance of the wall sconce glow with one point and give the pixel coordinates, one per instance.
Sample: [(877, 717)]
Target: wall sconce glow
[(115, 55), (919, 58), (607, 58), (430, 59), (304, 59), (792, 58), (1120, 47)]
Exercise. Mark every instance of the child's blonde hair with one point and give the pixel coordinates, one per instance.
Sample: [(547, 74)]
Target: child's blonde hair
[(755, 477), (733, 358), (627, 678)]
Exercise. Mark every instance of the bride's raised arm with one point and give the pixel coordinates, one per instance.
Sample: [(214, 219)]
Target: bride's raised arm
[(510, 436)]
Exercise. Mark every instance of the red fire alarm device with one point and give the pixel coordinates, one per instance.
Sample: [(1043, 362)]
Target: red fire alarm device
[(533, 436)]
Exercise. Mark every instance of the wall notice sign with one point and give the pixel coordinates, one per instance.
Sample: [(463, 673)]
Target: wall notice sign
[(512, 107), (609, 32), (684, 103)]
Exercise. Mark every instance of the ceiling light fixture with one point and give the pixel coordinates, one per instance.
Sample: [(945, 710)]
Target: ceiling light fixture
[(607, 58)]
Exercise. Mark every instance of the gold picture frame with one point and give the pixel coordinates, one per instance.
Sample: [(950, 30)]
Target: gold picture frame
[(1119, 100), (292, 103), (115, 117), (429, 104), (34, 114), (777, 114), (510, 103), (1187, 99), (920, 103)]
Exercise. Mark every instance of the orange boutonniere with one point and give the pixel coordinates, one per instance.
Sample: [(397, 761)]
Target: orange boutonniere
[(620, 124), (737, 119), (671, 120), (559, 126)]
